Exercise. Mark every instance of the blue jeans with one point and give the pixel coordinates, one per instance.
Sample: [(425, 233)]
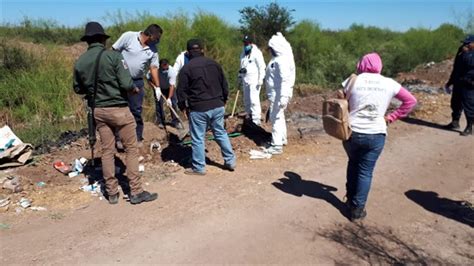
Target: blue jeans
[(198, 123), (135, 102), (363, 151)]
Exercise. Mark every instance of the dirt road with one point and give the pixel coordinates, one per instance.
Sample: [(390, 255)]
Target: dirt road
[(286, 210)]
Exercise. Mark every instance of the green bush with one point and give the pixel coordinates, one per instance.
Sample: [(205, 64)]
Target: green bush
[(42, 31)]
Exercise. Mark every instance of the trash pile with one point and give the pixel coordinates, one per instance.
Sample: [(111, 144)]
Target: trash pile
[(17, 197), (13, 152)]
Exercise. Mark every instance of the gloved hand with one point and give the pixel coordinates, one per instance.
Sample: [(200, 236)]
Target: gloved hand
[(157, 92), (283, 103), (260, 82), (239, 81), (169, 102)]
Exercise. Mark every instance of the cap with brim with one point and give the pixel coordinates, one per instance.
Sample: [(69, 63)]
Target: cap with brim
[(194, 44), (468, 39), (247, 39), (93, 29)]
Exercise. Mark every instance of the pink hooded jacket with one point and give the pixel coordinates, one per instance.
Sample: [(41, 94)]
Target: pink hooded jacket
[(372, 63)]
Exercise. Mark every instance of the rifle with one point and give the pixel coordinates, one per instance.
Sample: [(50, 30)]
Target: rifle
[(91, 130), (90, 110)]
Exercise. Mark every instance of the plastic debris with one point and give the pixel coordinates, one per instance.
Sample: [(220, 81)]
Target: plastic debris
[(94, 189), (155, 146), (4, 226), (83, 160), (256, 154), (171, 163), (141, 168), (25, 203), (62, 167), (73, 174), (4, 202), (41, 184), (38, 208), (13, 183), (78, 167)]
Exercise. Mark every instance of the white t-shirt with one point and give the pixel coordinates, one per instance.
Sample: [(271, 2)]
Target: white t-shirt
[(179, 62), (137, 57), (368, 102)]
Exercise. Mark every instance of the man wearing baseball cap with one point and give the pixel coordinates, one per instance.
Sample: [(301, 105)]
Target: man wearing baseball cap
[(251, 76), (202, 93)]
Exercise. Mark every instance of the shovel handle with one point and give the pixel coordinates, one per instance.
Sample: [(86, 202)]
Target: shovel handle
[(235, 103), (172, 110)]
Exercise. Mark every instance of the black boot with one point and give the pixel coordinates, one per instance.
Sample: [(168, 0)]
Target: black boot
[(468, 130), (453, 125)]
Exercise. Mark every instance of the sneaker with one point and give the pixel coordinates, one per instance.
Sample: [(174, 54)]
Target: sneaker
[(140, 144), (229, 167), (114, 199), (161, 126), (274, 150), (358, 214), (192, 172), (144, 196)]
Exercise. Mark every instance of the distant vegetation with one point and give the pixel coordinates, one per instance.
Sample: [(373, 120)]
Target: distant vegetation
[(35, 79)]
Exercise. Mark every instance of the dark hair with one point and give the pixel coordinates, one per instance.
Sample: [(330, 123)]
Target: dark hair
[(164, 61), (153, 30)]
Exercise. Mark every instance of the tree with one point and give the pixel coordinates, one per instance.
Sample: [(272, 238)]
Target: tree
[(261, 22)]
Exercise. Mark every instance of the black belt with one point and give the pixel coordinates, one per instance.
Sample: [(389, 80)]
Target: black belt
[(115, 105)]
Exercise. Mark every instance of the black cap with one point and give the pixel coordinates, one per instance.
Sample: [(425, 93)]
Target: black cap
[(247, 38), (194, 44), (468, 39), (92, 29)]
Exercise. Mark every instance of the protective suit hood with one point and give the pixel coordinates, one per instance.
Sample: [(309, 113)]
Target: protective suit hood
[(280, 45)]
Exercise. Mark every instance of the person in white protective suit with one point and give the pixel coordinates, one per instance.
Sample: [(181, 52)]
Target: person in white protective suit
[(251, 75), (279, 82)]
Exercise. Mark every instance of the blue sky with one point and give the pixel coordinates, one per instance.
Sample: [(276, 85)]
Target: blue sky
[(330, 14)]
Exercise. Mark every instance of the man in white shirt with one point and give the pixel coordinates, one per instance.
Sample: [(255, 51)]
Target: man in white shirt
[(251, 76), (139, 52)]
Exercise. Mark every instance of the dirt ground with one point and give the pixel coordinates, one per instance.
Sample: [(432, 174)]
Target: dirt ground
[(284, 210)]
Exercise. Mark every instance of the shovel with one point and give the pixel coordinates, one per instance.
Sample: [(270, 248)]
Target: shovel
[(235, 104), (181, 132)]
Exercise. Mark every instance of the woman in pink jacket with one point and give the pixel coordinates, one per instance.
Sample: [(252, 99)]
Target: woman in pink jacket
[(369, 99)]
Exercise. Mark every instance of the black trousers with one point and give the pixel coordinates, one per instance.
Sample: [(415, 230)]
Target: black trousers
[(468, 103), (456, 102)]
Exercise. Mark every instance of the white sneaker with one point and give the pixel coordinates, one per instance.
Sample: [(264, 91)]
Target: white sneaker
[(274, 150)]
